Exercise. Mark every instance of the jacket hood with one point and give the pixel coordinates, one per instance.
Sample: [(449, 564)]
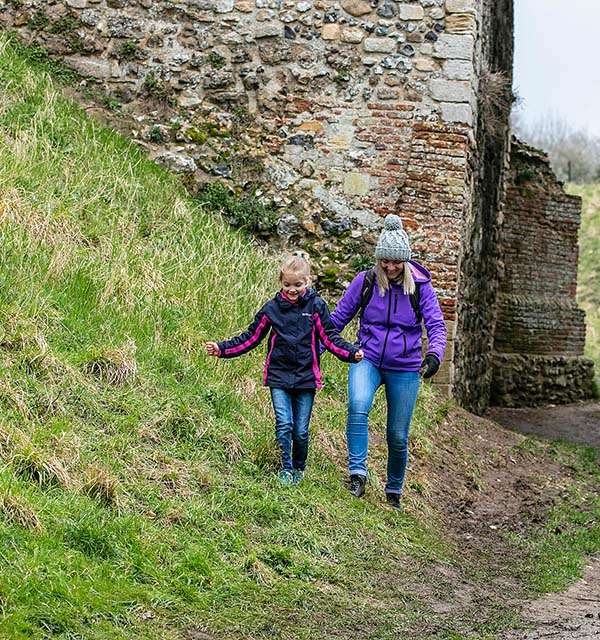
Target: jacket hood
[(419, 272)]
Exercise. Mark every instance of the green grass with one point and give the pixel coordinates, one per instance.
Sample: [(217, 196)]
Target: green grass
[(137, 485), (555, 555), (137, 489), (588, 293)]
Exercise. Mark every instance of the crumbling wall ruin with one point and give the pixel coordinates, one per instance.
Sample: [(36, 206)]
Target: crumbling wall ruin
[(540, 331), (480, 247)]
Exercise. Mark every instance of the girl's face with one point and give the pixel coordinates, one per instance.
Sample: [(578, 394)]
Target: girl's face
[(392, 268), (293, 285)]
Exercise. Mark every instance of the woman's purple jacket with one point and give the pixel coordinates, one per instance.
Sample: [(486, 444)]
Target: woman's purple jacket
[(389, 334)]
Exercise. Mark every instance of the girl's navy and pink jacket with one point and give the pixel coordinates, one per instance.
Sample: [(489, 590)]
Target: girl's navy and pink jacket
[(297, 330)]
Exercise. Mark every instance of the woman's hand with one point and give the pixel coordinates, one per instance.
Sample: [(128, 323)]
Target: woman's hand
[(212, 349), (359, 355), (429, 366)]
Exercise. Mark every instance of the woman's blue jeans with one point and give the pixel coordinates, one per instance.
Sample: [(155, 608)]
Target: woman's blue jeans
[(401, 389), (292, 416)]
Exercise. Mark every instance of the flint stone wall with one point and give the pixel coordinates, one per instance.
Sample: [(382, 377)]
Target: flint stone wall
[(334, 112)]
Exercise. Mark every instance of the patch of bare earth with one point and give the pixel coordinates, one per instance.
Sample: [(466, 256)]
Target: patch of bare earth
[(565, 616), (487, 483), (578, 423)]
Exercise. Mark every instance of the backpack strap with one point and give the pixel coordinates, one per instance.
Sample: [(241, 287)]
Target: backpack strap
[(367, 290), (415, 302)]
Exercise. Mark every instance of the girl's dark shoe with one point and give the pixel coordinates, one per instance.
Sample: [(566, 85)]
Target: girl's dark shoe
[(393, 501), (357, 485)]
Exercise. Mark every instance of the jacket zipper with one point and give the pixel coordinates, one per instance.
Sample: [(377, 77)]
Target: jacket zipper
[(404, 338), (387, 333), (395, 302)]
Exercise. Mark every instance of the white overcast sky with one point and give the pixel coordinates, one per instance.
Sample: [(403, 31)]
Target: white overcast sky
[(557, 60)]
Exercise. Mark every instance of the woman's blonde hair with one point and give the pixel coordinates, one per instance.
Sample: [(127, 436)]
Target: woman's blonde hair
[(297, 263), (383, 281)]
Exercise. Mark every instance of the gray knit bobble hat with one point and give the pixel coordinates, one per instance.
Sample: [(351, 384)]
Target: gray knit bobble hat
[(393, 242)]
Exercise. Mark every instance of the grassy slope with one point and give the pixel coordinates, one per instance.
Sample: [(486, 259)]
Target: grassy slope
[(136, 489), (589, 265), (141, 470)]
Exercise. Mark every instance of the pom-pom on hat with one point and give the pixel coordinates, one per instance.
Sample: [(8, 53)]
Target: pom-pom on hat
[(393, 242)]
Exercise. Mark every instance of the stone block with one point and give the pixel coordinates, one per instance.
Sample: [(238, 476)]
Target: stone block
[(356, 8), (188, 99), (313, 126), (450, 90), (224, 6), (331, 31), (410, 12), (457, 112), (424, 64), (353, 35), (458, 69), (245, 6), (450, 45), (451, 330), (379, 45), (340, 135), (443, 389), (268, 30), (94, 67), (460, 6), (461, 23), (356, 184), (445, 375), (77, 4)]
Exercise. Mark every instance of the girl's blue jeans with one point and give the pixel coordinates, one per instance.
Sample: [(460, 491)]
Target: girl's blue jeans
[(401, 389), (292, 416)]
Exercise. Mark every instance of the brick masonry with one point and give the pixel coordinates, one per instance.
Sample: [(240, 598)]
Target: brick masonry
[(540, 332)]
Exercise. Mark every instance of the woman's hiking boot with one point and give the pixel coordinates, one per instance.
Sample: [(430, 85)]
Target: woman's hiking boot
[(357, 485), (393, 501)]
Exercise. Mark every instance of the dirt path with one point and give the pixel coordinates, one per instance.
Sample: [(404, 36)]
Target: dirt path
[(575, 613), (578, 423), (566, 616)]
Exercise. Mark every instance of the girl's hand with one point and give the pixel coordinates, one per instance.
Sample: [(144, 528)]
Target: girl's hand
[(212, 349), (359, 355)]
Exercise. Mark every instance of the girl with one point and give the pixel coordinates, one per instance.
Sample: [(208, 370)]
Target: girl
[(392, 300), (297, 320)]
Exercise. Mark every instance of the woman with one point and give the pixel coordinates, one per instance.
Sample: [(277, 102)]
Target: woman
[(392, 299)]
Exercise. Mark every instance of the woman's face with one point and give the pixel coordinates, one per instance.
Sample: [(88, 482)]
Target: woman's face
[(392, 268)]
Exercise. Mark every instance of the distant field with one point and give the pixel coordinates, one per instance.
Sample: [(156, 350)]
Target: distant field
[(588, 292)]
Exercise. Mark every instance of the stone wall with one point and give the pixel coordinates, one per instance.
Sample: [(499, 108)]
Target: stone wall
[(478, 286), (325, 115), (524, 381), (540, 331), (333, 113)]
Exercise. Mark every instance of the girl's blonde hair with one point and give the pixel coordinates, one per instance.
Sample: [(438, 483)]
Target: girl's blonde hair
[(297, 263), (383, 281)]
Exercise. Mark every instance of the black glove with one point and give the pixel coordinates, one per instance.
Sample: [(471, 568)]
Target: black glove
[(429, 366)]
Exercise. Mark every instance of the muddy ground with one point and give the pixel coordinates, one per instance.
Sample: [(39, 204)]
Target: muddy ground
[(509, 491)]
